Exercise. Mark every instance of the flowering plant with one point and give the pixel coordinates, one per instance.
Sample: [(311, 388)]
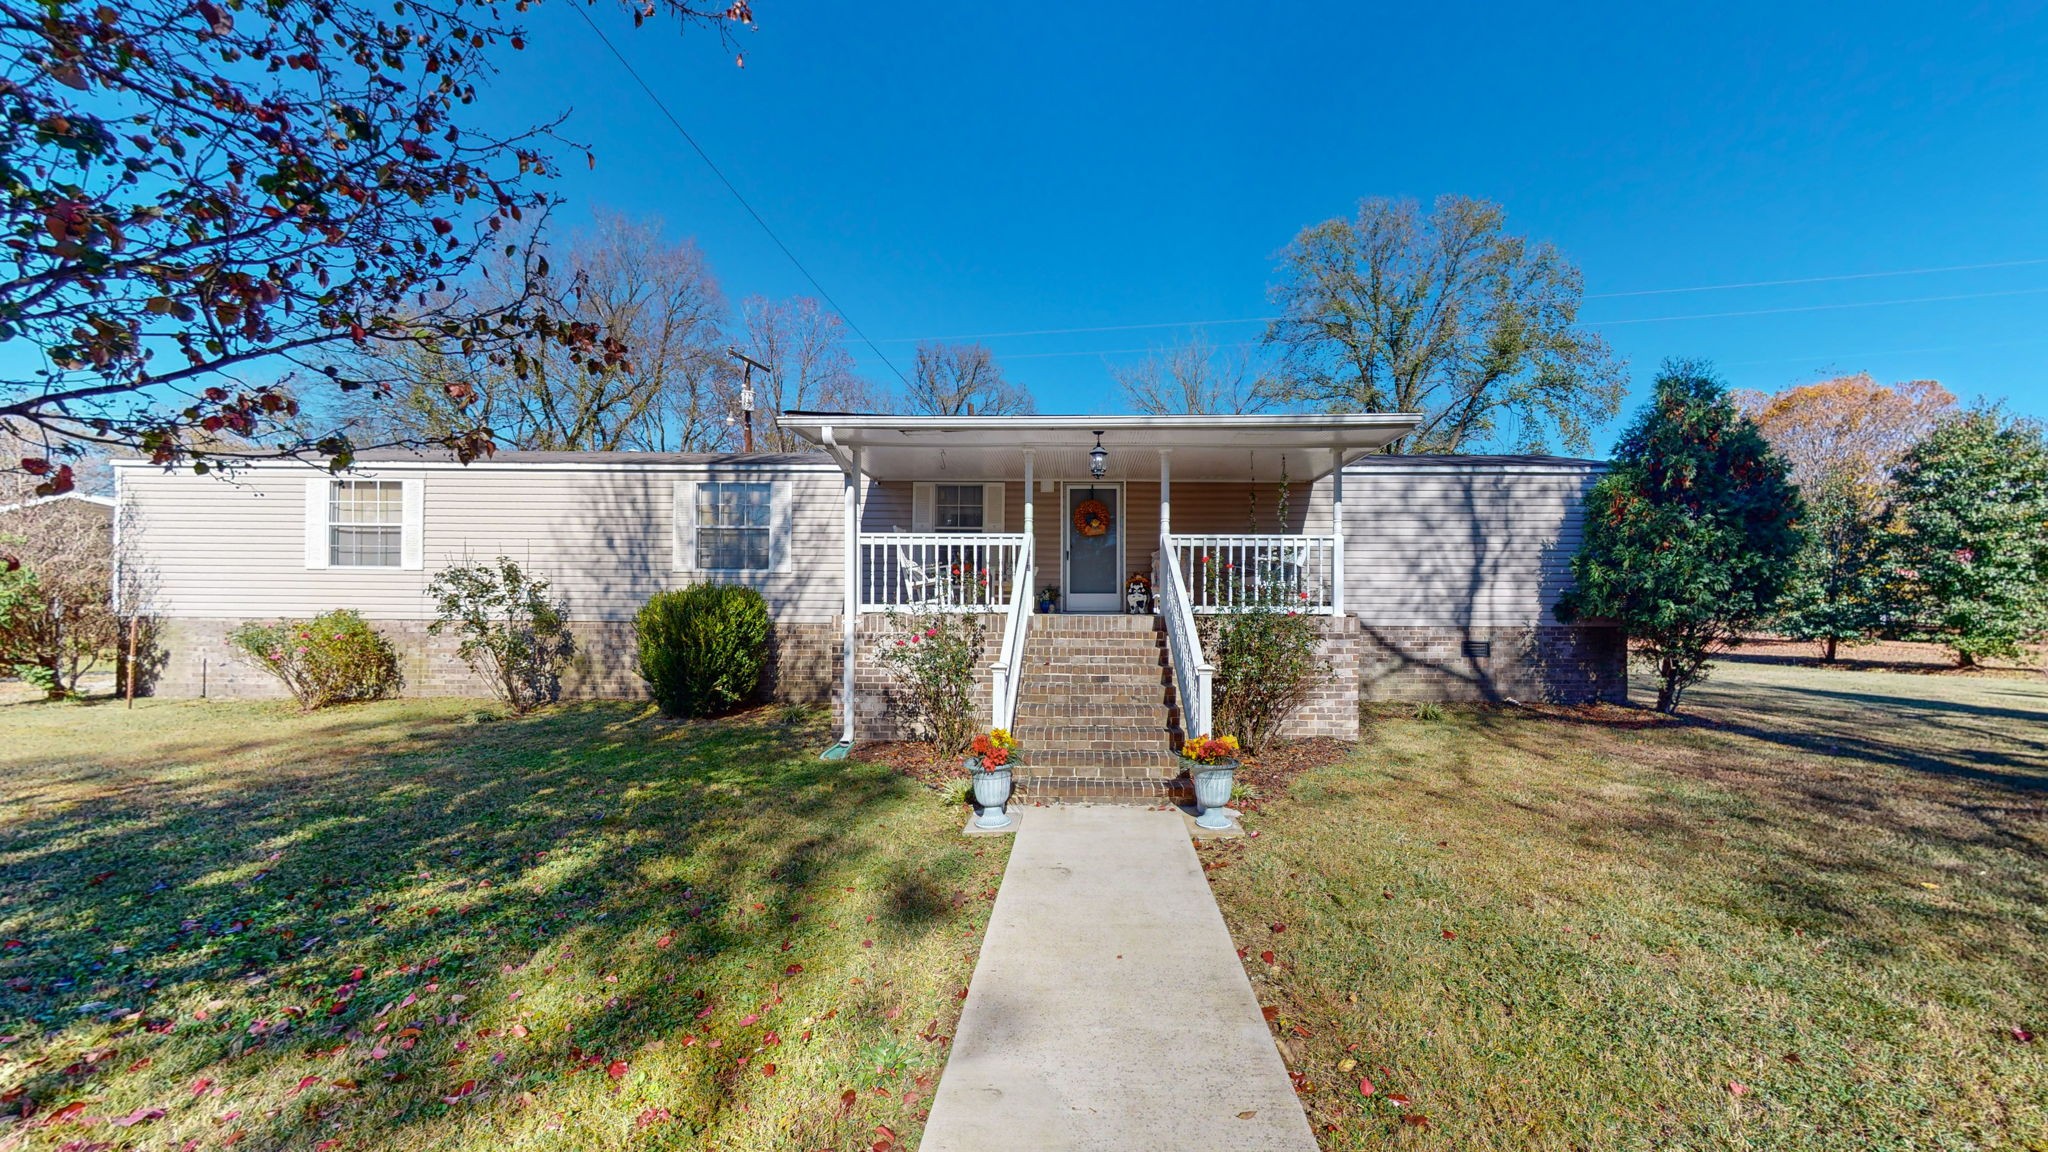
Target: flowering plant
[(994, 748), (936, 658), (1207, 749)]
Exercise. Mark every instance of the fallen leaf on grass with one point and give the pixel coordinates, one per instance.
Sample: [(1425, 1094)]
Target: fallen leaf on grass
[(1266, 956), (139, 1116), (1397, 1099), (1365, 1087), (1416, 1121), (2021, 1034), (616, 1069), (305, 1082), (1737, 1088), (767, 1069), (468, 1087)]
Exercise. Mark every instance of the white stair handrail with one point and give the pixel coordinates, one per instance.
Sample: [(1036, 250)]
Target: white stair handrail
[(1193, 676), (1008, 669)]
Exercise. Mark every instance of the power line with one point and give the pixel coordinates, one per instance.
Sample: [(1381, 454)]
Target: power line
[(1817, 307), (1817, 279), (704, 156), (1590, 296)]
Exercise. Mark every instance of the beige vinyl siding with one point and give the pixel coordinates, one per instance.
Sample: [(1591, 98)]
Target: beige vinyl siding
[(202, 546), (1444, 546)]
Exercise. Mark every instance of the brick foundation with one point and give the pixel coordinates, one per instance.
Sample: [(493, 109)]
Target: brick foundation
[(881, 708), (1551, 663), (198, 661)]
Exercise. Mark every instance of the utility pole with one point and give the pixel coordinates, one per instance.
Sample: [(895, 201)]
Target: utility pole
[(747, 395)]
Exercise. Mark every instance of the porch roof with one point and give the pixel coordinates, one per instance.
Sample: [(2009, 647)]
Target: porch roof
[(1204, 447)]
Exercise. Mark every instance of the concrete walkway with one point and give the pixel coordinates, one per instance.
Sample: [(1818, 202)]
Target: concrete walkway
[(1109, 1009)]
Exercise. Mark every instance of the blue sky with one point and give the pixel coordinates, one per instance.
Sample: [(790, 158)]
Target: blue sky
[(959, 169)]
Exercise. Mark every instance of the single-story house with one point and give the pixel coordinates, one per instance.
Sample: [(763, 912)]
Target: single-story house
[(1431, 577)]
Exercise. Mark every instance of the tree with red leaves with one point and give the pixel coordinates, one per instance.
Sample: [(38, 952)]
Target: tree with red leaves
[(211, 206)]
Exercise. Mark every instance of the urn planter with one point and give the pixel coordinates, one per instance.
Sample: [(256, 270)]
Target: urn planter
[(1213, 784), (991, 793)]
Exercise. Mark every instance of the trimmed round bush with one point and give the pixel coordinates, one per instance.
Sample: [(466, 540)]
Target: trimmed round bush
[(334, 658), (703, 648)]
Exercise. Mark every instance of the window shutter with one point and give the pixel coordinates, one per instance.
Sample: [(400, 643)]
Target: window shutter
[(921, 507), (316, 522), (412, 553), (779, 526), (991, 507), (685, 534)]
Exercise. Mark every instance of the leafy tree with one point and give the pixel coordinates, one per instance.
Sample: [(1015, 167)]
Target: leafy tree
[(1971, 548), (1842, 438), (1449, 316), (1693, 533), (512, 632), (1839, 592), (1850, 427), (193, 190), (1192, 378), (57, 619), (963, 380)]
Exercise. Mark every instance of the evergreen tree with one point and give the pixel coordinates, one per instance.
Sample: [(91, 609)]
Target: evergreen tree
[(1839, 593), (1692, 535), (1971, 546)]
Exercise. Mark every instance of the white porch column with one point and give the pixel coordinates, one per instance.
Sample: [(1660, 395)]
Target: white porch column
[(1337, 531), (852, 625), (1030, 503), (1165, 494)]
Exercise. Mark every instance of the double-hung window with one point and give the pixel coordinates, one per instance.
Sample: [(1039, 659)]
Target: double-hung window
[(735, 526), (937, 506), (958, 508), (366, 524)]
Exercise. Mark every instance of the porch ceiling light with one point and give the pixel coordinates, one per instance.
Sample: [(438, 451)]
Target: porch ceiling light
[(1098, 459)]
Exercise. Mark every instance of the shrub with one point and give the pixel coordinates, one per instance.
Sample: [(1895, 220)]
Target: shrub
[(334, 658), (513, 633), (1265, 659), (703, 648), (936, 656)]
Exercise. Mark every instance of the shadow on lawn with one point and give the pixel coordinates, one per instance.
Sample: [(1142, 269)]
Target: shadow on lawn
[(1836, 841), (566, 840)]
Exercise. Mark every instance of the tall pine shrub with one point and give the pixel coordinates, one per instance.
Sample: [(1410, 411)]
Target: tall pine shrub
[(1693, 534)]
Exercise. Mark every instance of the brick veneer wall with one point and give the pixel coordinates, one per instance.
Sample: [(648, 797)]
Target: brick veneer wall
[(881, 709), (1553, 663), (200, 661)]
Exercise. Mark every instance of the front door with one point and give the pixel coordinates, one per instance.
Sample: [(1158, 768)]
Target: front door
[(1094, 535)]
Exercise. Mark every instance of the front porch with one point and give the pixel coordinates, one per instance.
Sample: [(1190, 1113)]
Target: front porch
[(1012, 516)]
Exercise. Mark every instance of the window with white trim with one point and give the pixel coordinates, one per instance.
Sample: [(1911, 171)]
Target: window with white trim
[(958, 508), (735, 526), (366, 524)]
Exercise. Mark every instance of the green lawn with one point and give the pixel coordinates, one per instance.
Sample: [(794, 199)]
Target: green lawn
[(1808, 917), (396, 927)]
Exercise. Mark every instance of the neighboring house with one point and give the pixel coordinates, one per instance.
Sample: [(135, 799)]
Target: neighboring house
[(1432, 577)]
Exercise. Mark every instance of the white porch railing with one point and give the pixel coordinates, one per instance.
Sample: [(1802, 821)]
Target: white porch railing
[(1193, 676), (1008, 670), (940, 570), (1226, 573)]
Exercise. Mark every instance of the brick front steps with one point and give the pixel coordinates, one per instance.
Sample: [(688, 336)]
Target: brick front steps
[(1096, 710)]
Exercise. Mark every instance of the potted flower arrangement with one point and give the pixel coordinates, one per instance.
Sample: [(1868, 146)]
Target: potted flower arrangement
[(988, 765), (1212, 768), (1048, 599)]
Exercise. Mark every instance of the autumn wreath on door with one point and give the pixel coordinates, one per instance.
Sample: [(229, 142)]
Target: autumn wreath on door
[(1091, 518)]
